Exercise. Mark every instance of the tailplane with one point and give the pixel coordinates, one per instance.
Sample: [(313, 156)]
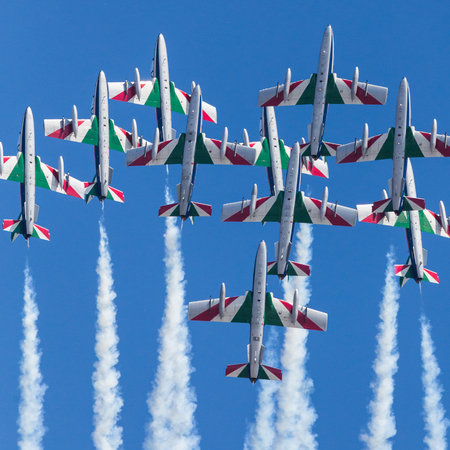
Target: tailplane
[(293, 269), (195, 210), (243, 371), (92, 191), (405, 272), (16, 228), (409, 204)]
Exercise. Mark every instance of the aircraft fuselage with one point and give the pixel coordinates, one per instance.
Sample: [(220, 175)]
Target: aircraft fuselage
[(413, 234), (161, 73), (287, 215), (320, 107), (270, 132), (189, 168), (101, 151), (258, 308), (28, 187), (402, 122)]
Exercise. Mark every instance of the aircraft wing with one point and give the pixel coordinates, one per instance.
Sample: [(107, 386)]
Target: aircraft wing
[(267, 209), (48, 178), (390, 219), (317, 168), (418, 144), (279, 313), (430, 222), (237, 309), (328, 149), (122, 140), (308, 210), (300, 93), (13, 168), (63, 129), (339, 91), (207, 151), (180, 101), (169, 152), (126, 92), (378, 147)]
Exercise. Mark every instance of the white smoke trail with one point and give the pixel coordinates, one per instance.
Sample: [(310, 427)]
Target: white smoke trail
[(107, 399), (382, 422), (261, 435), (435, 423), (296, 415), (32, 389), (172, 402)]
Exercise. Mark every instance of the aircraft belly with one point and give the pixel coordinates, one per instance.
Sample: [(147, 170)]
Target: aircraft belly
[(274, 148)]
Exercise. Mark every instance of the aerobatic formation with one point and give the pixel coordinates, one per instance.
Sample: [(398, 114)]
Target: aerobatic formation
[(286, 204)]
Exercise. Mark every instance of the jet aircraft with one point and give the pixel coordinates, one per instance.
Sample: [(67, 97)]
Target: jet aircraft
[(29, 171), (257, 308), (322, 89), (414, 222), (189, 149), (101, 132), (398, 143), (288, 206), (160, 93)]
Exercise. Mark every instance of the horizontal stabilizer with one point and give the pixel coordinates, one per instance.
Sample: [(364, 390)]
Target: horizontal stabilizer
[(243, 371), (328, 149), (293, 269), (317, 168), (93, 191), (405, 273), (195, 210), (409, 204), (16, 227), (430, 276)]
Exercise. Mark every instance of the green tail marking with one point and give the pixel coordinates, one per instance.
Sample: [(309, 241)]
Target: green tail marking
[(154, 99), (175, 104), (271, 316), (245, 372), (300, 213), (18, 173), (92, 135), (114, 142), (264, 157), (412, 149), (244, 315), (333, 96), (273, 270), (201, 152), (307, 98)]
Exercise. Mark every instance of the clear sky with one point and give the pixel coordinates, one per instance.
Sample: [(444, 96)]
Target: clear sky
[(51, 54)]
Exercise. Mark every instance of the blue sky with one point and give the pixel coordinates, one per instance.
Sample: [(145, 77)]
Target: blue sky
[(51, 56)]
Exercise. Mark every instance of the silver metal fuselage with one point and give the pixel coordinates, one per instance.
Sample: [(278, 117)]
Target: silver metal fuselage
[(320, 108), (188, 168), (101, 151), (287, 216), (413, 234), (258, 308), (161, 73), (402, 122), (270, 132), (28, 187)]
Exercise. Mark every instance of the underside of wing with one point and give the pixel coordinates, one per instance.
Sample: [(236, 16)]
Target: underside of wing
[(236, 309), (431, 222), (280, 313), (339, 91), (419, 144), (168, 152), (267, 209), (366, 214), (208, 151), (13, 168), (378, 147), (309, 210), (179, 102), (148, 94), (86, 132), (122, 140), (300, 93)]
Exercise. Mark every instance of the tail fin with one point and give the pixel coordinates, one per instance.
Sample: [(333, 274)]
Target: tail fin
[(243, 371), (405, 273), (16, 228), (293, 269), (195, 210), (92, 191), (409, 204)]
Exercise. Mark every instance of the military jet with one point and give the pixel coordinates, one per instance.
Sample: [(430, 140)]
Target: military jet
[(414, 223), (257, 308), (189, 150), (288, 206), (159, 92), (29, 171), (322, 89), (398, 143), (101, 132)]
